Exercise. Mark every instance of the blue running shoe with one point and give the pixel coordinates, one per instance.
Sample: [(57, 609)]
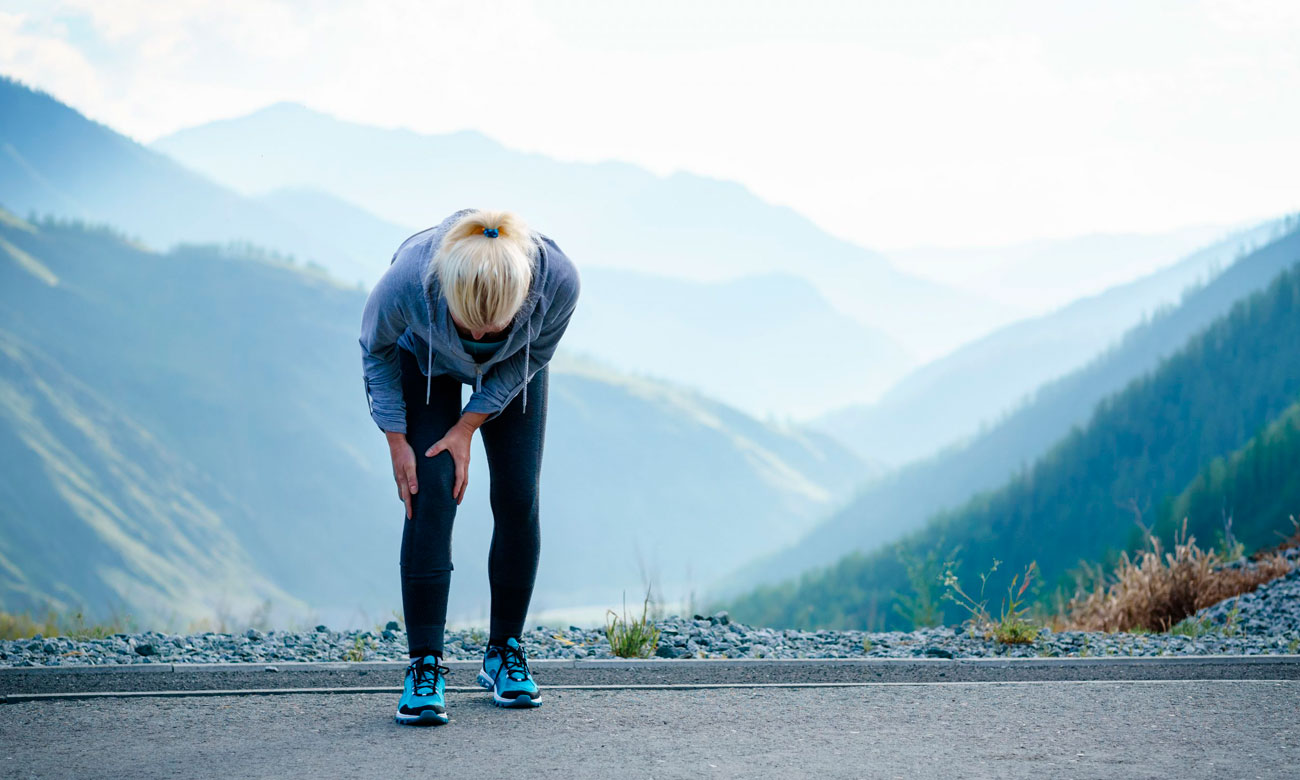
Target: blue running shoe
[(505, 673), (422, 702)]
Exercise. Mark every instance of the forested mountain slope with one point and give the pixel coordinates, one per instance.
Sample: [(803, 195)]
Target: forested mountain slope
[(1078, 502), (950, 399), (891, 507), (1255, 491), (212, 399)]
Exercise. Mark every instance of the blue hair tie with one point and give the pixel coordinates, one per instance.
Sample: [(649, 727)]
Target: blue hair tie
[(491, 232)]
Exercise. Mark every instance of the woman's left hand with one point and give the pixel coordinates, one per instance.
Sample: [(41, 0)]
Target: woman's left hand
[(456, 441)]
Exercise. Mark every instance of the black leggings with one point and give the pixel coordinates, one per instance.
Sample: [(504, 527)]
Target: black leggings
[(513, 441)]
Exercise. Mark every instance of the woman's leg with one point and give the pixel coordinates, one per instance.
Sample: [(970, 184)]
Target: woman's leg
[(426, 537), (513, 441)]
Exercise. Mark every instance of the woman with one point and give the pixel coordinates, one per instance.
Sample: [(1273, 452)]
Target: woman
[(478, 299)]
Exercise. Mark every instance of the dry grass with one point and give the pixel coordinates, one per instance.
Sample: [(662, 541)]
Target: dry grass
[(1287, 542), (1157, 589), (74, 626)]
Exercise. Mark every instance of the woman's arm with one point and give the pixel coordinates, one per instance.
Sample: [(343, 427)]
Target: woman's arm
[(382, 322)]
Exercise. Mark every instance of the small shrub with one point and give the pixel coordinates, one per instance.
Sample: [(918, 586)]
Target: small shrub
[(1192, 628), (357, 652), (629, 638), (1230, 625), (1015, 632), (1012, 625)]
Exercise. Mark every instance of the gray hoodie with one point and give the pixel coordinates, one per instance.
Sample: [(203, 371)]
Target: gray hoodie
[(406, 308)]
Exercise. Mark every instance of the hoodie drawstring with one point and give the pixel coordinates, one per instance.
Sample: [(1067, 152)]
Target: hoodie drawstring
[(428, 384), (527, 344)]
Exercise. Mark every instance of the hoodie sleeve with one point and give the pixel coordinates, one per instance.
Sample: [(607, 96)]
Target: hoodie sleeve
[(383, 321), (507, 378)]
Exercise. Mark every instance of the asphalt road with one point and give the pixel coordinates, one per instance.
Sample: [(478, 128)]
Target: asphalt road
[(1134, 728)]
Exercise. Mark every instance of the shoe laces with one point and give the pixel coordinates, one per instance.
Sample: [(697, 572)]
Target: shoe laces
[(426, 676), (514, 662)]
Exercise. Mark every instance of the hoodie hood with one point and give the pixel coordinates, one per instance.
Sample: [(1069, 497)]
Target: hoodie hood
[(442, 329)]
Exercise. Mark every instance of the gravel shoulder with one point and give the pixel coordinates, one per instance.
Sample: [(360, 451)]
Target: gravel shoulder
[(1263, 622)]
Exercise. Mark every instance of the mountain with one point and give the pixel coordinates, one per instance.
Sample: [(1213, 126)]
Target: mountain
[(355, 233), (950, 399), (211, 398), (1257, 488), (721, 338), (902, 501), (1042, 275), (58, 162), (1080, 500), (97, 513), (55, 161), (608, 214), (645, 476)]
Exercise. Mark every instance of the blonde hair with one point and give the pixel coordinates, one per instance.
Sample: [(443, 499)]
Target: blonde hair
[(485, 279)]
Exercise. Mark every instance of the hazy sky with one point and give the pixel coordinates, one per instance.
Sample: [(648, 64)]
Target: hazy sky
[(892, 124)]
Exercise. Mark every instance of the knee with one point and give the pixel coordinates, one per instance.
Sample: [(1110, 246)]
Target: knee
[(436, 477), (517, 498)]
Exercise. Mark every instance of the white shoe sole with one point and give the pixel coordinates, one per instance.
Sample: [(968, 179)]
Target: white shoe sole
[(426, 718), (520, 702)]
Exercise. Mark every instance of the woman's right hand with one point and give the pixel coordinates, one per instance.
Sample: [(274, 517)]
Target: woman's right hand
[(403, 467)]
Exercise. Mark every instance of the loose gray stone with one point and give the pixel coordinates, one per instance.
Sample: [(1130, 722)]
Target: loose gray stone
[(1266, 621)]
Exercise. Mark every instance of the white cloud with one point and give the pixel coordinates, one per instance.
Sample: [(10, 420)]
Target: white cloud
[(45, 60)]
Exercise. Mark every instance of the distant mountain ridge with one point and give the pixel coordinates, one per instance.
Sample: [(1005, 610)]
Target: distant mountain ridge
[(151, 196), (899, 502), (55, 161), (1042, 275), (1079, 502), (722, 338), (609, 214), (948, 400), (210, 399)]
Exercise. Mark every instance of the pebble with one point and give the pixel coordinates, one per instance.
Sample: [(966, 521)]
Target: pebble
[(1272, 609)]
